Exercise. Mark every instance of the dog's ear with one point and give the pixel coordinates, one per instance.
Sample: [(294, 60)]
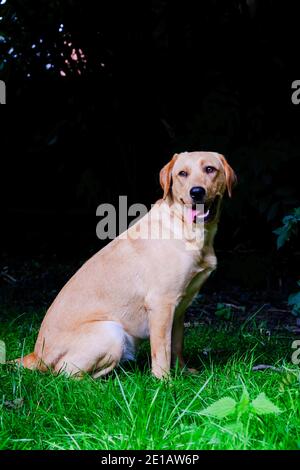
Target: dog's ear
[(165, 176), (230, 175)]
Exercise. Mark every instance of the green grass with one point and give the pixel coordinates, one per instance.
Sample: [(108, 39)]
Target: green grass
[(132, 410)]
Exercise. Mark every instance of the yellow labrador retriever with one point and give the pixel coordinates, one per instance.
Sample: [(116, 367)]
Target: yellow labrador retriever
[(141, 283)]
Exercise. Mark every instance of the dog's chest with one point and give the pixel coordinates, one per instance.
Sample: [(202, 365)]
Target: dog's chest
[(195, 279), (196, 282)]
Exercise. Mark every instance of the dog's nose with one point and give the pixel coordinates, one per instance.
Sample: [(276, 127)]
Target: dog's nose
[(197, 193)]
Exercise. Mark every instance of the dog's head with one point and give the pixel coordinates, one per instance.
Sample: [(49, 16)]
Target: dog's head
[(198, 180)]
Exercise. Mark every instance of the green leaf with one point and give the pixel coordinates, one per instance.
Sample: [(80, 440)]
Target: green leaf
[(294, 301), (288, 228), (296, 310), (282, 238), (221, 408), (243, 404), (234, 428), (262, 405), (287, 219), (223, 311), (2, 352)]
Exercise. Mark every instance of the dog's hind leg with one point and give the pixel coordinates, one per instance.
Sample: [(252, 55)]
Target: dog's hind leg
[(97, 348)]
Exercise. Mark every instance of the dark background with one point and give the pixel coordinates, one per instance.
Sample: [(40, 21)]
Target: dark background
[(153, 78)]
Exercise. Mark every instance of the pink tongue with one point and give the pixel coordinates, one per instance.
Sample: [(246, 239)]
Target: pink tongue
[(191, 215)]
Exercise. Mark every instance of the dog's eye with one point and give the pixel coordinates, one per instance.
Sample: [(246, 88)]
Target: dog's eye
[(183, 173), (210, 169)]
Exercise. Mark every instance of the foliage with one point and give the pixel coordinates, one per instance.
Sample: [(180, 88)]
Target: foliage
[(42, 42), (227, 406), (223, 311), (284, 233), (289, 227)]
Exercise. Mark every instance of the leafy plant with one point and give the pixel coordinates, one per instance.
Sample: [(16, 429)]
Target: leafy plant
[(223, 311), (221, 408), (227, 406), (288, 228)]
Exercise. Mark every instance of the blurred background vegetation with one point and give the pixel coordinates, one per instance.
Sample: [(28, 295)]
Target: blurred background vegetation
[(100, 95)]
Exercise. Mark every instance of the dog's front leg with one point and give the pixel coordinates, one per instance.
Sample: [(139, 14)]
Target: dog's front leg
[(177, 340), (177, 344), (160, 327)]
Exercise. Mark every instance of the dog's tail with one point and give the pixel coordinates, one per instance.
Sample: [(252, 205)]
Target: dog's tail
[(31, 361)]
